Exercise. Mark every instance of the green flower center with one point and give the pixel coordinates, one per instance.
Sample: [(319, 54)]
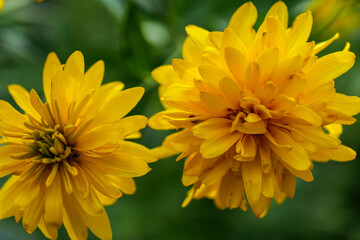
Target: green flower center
[(44, 144), (52, 145)]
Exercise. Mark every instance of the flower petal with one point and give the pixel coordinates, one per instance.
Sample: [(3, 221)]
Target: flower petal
[(216, 146), (52, 65), (279, 10), (329, 67), (300, 30), (97, 137), (54, 203), (242, 22), (22, 99)]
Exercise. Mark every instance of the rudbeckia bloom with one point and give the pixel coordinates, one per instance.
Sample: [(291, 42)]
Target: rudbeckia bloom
[(68, 156), (253, 108)]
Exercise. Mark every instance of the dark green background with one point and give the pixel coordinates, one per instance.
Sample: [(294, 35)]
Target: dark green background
[(134, 37)]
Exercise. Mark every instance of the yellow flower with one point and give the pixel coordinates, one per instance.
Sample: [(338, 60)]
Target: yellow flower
[(252, 107), (335, 15), (68, 156)]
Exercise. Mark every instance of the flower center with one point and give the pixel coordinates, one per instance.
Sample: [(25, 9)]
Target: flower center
[(52, 145), (45, 144)]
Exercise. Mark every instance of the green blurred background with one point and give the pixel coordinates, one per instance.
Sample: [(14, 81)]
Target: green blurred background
[(133, 37)]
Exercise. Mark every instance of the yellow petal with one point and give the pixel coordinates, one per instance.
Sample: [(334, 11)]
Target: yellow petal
[(22, 99), (261, 207), (9, 115), (265, 156), (119, 105), (237, 63), (160, 122), (268, 62), (138, 151), (12, 166), (104, 200), (190, 51), (129, 166), (118, 163), (32, 215), (93, 77), (280, 11), (216, 37), (252, 175), (231, 90), (73, 222), (334, 129), (212, 128), (99, 180), (329, 67), (80, 181), (38, 105), (292, 85), (289, 184), (216, 146), (242, 22), (99, 225), (212, 75), (103, 94), (186, 122), (258, 127), (214, 103), (8, 192), (125, 184), (132, 124), (231, 190), (319, 138), (275, 36), (199, 36), (75, 66), (304, 115), (297, 157), (52, 65), (268, 185), (186, 70), (165, 76), (267, 92), (287, 67), (216, 171), (247, 148), (300, 30), (91, 204), (252, 76), (230, 39), (97, 137), (319, 93), (183, 97), (54, 204), (349, 105), (342, 154), (321, 46), (49, 231)]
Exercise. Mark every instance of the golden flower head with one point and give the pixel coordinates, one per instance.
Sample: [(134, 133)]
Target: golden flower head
[(68, 156), (252, 107)]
